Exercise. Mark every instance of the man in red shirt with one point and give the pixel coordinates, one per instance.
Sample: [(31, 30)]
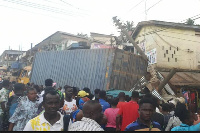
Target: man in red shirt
[(122, 100), (128, 112)]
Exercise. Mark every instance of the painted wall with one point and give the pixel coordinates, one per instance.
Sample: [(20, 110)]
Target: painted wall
[(179, 48)]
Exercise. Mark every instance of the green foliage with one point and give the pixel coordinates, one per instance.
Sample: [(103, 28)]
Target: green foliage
[(129, 26), (190, 21)]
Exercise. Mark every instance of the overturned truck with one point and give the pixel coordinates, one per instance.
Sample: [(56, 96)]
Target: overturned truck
[(104, 69)]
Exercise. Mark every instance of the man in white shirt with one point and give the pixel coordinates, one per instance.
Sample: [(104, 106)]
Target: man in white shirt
[(92, 115), (69, 103), (51, 119)]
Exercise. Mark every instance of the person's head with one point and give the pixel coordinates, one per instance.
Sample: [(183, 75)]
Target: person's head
[(102, 94), (188, 118), (121, 96), (183, 114), (127, 98), (37, 88), (82, 94), (13, 82), (48, 82), (114, 102), (19, 89), (96, 91), (165, 107), (6, 84), (87, 90), (93, 110), (68, 91), (59, 88), (75, 92), (135, 96), (146, 109), (51, 101), (155, 100), (32, 94)]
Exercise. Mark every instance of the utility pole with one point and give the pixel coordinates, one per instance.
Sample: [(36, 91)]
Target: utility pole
[(31, 48), (130, 38)]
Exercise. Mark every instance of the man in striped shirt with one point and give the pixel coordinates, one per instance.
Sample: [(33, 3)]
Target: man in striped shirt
[(92, 115)]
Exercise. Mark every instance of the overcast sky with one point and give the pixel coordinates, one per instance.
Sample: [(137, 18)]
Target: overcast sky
[(23, 22)]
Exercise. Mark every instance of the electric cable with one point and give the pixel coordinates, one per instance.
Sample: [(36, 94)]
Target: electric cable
[(42, 7)]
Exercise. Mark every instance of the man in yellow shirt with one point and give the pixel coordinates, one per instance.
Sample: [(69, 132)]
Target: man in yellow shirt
[(51, 119)]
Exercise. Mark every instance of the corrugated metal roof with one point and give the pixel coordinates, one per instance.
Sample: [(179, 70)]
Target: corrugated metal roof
[(184, 78)]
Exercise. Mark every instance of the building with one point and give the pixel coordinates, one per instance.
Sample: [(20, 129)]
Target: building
[(102, 40), (57, 41), (9, 56), (168, 45), (173, 45)]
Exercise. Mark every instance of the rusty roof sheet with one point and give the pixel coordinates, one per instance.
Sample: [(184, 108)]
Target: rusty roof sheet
[(184, 78)]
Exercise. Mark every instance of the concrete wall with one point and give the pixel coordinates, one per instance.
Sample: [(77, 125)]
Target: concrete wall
[(178, 48)]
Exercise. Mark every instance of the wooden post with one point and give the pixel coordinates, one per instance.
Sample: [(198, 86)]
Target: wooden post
[(165, 81)]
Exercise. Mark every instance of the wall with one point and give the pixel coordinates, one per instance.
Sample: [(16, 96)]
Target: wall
[(178, 48)]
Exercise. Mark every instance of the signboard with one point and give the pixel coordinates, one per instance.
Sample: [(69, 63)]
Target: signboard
[(151, 55)]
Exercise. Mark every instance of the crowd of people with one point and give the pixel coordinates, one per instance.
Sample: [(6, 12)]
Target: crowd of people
[(33, 107)]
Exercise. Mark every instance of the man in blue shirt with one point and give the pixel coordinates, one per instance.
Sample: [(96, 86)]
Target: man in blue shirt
[(102, 97), (144, 123), (105, 105), (188, 119)]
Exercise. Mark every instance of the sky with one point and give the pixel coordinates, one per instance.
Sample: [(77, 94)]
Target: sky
[(23, 22)]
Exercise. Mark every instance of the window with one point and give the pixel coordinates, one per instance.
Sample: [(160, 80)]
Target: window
[(164, 55), (174, 52), (172, 56), (170, 48), (175, 59), (177, 48), (166, 51), (168, 59)]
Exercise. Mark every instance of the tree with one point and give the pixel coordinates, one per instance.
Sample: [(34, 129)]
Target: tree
[(129, 26), (190, 21)]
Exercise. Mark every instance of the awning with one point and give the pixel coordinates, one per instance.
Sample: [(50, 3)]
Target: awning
[(184, 78)]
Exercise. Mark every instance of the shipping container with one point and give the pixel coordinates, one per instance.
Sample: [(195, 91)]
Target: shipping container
[(93, 68)]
